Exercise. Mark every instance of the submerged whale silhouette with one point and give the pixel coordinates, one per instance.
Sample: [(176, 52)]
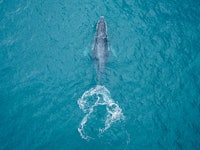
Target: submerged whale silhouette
[(100, 49)]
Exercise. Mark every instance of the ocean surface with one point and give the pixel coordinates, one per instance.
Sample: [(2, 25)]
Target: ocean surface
[(150, 95)]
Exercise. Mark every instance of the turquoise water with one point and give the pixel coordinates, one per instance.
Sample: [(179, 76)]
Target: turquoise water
[(153, 74)]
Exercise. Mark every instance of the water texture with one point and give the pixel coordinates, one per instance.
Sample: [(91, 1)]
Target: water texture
[(152, 75)]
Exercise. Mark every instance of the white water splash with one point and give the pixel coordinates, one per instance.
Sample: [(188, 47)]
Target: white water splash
[(98, 96)]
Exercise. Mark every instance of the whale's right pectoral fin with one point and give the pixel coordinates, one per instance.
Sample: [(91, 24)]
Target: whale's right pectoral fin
[(113, 51)]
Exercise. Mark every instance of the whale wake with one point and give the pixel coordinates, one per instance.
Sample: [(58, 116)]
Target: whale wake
[(93, 102)]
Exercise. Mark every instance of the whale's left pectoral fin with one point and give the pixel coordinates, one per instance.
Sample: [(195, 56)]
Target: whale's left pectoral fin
[(86, 52)]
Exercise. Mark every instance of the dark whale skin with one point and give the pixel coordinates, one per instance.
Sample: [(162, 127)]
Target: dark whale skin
[(100, 50)]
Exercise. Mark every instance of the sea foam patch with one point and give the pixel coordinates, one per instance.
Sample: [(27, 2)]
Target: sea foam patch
[(91, 102)]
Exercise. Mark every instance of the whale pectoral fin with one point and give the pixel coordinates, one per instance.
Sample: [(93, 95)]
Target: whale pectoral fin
[(86, 52), (113, 51)]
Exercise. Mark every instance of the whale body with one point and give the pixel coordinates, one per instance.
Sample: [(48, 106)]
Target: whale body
[(100, 49)]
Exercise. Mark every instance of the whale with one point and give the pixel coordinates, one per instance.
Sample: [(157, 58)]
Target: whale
[(100, 50)]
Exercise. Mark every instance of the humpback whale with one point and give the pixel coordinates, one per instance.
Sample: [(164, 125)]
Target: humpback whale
[(98, 96), (100, 49)]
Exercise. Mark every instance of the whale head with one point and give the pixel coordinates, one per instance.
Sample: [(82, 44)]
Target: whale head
[(101, 28)]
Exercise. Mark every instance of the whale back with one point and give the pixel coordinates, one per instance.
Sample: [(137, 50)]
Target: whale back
[(100, 50)]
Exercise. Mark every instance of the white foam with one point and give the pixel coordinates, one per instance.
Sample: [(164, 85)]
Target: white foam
[(98, 96)]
